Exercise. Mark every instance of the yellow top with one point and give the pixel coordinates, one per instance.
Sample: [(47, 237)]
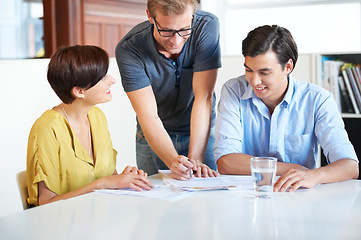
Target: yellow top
[(56, 156)]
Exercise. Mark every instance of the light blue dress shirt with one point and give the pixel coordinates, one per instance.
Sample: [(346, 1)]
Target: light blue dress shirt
[(305, 118)]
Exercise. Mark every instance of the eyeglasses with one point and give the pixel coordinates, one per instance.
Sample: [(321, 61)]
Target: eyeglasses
[(170, 33)]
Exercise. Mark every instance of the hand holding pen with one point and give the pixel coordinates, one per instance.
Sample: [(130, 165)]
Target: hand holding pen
[(181, 168), (184, 169)]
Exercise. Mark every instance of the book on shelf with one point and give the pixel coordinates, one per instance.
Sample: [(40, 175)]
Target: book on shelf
[(351, 89), (357, 75), (330, 79), (343, 80), (345, 101), (354, 84)]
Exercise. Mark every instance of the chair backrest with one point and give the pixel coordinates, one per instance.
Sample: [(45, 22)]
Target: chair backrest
[(21, 179)]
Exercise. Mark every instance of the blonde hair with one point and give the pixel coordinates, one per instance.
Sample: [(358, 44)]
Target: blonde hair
[(170, 7)]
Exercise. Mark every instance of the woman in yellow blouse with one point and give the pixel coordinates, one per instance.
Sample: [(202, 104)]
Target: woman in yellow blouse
[(70, 152)]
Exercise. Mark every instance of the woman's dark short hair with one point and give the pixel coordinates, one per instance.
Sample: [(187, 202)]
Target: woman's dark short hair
[(76, 66), (271, 38)]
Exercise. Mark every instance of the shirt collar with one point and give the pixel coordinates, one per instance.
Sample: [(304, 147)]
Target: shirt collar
[(290, 89), (248, 93), (79, 150)]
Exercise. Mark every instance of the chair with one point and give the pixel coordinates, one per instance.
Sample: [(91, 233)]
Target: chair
[(21, 180)]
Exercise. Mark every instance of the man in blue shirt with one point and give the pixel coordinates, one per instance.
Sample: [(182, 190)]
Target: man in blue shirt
[(168, 67), (268, 113)]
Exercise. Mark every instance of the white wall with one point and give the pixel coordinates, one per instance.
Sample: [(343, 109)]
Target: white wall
[(25, 94), (326, 28)]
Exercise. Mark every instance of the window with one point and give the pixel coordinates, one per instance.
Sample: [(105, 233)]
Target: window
[(21, 29)]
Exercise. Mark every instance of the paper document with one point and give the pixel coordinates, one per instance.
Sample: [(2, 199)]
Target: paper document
[(197, 184), (165, 192)]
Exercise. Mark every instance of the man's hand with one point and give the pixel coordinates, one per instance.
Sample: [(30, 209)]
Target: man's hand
[(181, 168), (202, 170), (296, 178)]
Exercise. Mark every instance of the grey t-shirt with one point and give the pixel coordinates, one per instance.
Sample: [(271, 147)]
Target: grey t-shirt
[(140, 65)]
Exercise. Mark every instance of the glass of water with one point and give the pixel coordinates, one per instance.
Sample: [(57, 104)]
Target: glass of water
[(263, 173)]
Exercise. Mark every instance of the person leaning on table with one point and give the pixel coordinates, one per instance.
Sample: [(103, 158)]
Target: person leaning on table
[(267, 112), (69, 150), (168, 67)]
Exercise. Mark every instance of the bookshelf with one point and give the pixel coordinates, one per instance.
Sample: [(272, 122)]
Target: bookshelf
[(332, 74), (340, 74)]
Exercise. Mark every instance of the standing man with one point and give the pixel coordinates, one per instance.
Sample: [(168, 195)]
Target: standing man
[(266, 112), (168, 67)]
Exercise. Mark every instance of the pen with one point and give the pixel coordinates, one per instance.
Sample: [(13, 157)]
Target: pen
[(190, 170)]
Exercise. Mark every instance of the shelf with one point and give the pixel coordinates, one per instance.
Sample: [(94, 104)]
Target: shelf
[(350, 115), (352, 57)]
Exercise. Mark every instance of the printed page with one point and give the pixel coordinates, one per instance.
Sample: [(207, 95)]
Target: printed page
[(164, 192), (221, 182)]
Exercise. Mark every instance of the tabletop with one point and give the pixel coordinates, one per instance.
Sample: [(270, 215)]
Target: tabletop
[(327, 211)]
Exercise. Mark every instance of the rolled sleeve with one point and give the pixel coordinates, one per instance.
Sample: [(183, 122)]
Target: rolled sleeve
[(331, 133), (229, 131)]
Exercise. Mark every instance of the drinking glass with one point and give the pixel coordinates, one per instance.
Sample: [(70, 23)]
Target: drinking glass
[(263, 173)]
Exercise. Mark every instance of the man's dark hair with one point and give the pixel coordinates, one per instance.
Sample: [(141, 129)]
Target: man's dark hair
[(271, 38)]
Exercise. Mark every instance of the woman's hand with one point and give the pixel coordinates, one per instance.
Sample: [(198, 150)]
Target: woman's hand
[(135, 171), (131, 177)]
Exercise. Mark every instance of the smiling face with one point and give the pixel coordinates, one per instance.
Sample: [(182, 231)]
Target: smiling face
[(268, 78), (171, 46), (100, 92)]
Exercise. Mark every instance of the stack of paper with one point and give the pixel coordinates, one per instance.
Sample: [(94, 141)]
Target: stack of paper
[(174, 189), (214, 183), (164, 192)]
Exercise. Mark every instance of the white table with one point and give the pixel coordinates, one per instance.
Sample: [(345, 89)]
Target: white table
[(330, 211)]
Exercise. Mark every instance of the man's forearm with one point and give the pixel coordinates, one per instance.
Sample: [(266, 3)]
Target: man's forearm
[(200, 129), (341, 170), (239, 163), (234, 163), (159, 140), (145, 106), (203, 89)]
